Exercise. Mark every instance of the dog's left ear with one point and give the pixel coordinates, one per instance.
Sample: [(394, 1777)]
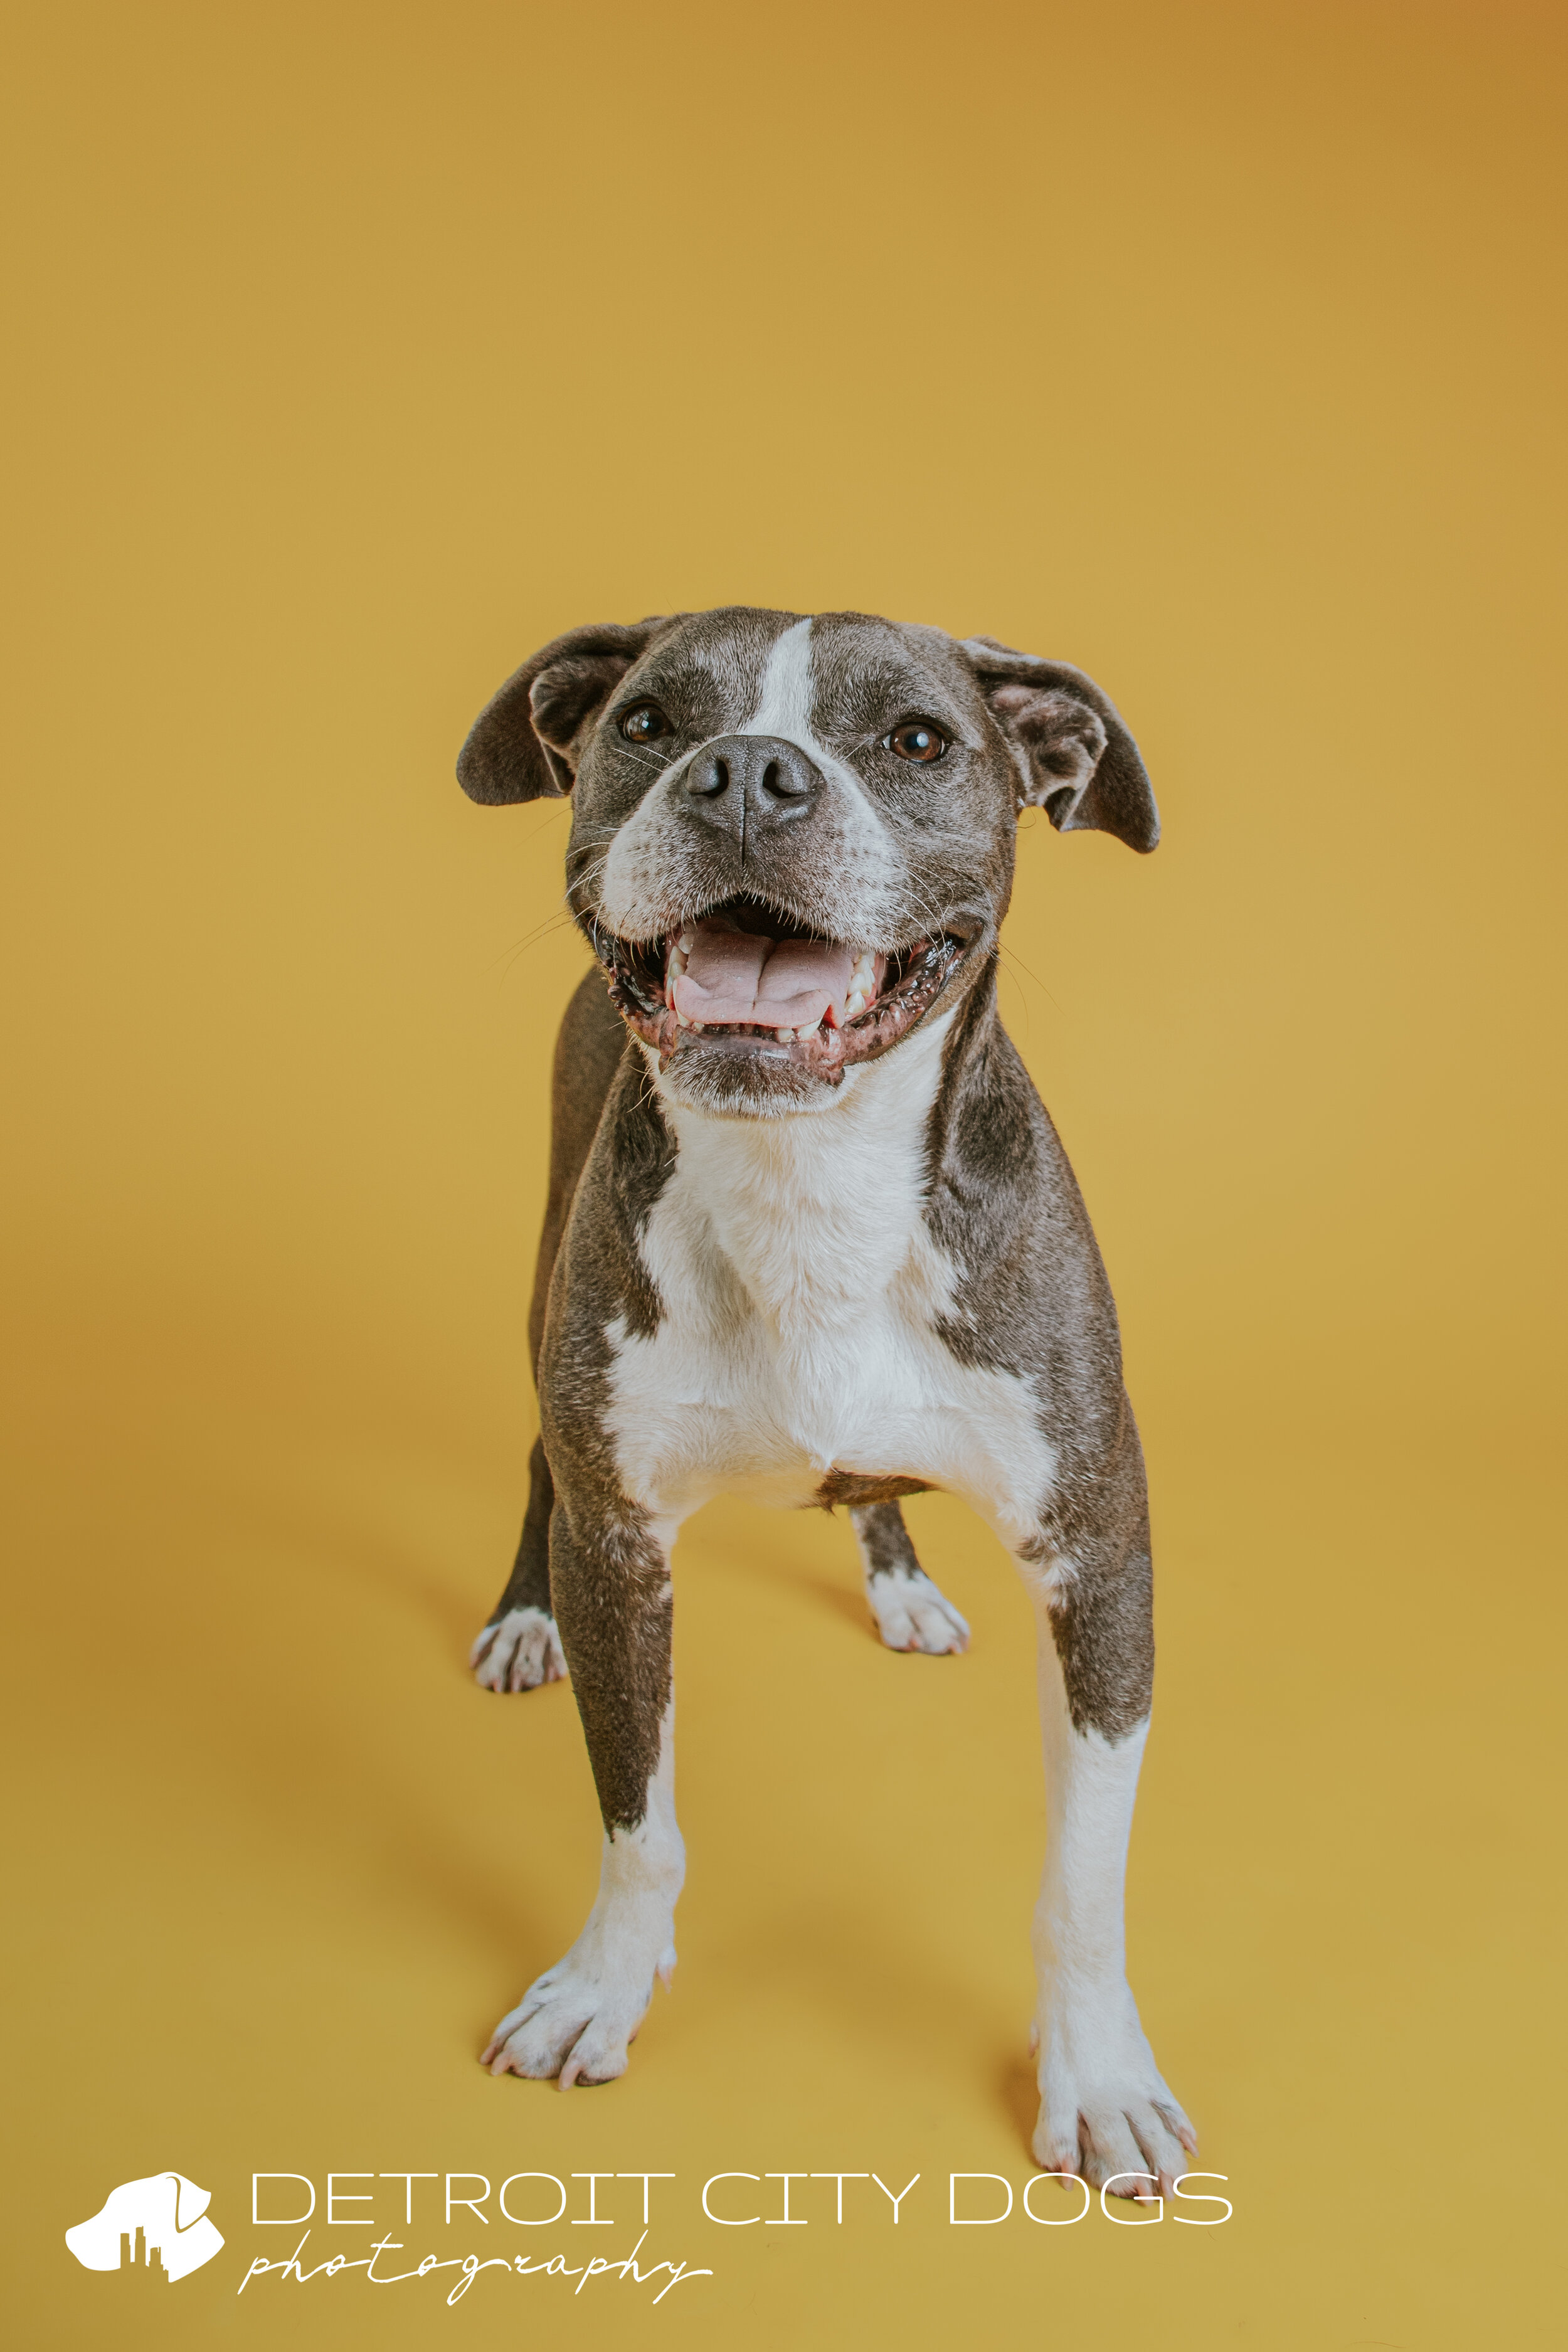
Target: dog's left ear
[(1075, 756), (525, 743)]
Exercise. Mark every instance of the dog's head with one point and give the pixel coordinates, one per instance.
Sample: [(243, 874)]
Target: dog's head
[(791, 838)]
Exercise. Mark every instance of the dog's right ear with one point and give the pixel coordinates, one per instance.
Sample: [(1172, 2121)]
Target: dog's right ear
[(524, 744)]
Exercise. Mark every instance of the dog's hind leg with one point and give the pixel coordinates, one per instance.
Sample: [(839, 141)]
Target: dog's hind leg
[(911, 1613), (519, 1648)]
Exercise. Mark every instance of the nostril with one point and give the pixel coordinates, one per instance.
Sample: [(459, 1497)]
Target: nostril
[(707, 779), (782, 780)]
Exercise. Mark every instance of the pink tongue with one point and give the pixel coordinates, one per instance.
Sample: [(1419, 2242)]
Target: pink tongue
[(777, 983)]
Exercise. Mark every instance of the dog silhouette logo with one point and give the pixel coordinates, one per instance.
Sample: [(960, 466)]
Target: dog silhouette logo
[(163, 2215)]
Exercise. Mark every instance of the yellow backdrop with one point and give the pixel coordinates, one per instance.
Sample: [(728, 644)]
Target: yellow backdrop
[(356, 350)]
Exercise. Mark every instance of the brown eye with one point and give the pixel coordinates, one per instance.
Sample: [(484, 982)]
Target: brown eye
[(916, 740), (646, 724)]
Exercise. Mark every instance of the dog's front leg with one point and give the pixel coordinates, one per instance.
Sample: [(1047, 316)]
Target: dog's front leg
[(1105, 2109), (609, 1576)]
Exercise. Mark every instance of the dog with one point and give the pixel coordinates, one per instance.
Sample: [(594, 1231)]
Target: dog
[(811, 1238)]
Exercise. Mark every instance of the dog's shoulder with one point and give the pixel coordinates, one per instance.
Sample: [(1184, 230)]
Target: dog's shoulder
[(602, 1273), (1003, 1209)]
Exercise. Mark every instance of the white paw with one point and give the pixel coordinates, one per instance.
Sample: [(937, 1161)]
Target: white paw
[(912, 1613), (519, 1653), (576, 2021), (1106, 2111)]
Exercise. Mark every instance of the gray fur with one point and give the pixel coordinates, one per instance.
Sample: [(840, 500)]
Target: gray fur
[(1001, 1202)]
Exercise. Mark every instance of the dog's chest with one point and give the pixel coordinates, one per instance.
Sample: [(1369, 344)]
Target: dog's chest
[(801, 1297)]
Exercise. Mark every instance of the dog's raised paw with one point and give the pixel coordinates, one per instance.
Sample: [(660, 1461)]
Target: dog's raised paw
[(518, 1651), (913, 1613)]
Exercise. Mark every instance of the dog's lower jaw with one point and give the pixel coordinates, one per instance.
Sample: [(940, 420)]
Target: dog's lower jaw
[(749, 1071), (576, 2021)]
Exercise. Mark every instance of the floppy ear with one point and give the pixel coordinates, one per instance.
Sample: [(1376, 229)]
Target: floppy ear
[(525, 742), (1075, 756)]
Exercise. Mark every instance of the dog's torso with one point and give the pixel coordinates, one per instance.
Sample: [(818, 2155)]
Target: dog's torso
[(798, 1356), (901, 1292)]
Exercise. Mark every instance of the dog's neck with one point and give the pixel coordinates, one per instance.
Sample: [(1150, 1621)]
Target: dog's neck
[(818, 1212)]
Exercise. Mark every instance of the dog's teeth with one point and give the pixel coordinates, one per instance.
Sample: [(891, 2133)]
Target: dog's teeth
[(697, 1024), (683, 1021), (853, 1002), (685, 943), (677, 962), (784, 1036)]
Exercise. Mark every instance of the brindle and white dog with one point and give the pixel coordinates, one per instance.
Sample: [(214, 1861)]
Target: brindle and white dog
[(811, 1237)]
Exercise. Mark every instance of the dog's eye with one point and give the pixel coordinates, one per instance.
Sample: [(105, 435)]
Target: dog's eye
[(646, 724), (916, 740)]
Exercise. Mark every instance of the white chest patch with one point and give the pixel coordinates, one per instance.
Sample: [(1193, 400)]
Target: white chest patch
[(801, 1292)]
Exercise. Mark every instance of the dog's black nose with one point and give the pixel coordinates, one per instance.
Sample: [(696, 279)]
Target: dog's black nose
[(741, 782)]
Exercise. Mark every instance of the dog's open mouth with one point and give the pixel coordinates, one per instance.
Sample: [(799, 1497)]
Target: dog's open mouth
[(748, 977)]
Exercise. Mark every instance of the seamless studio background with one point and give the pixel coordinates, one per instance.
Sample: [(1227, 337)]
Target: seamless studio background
[(355, 352)]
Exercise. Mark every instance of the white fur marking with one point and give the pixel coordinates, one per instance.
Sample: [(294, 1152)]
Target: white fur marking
[(800, 1289), (1105, 2109), (784, 709), (913, 1613), (523, 1650), (783, 705)]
